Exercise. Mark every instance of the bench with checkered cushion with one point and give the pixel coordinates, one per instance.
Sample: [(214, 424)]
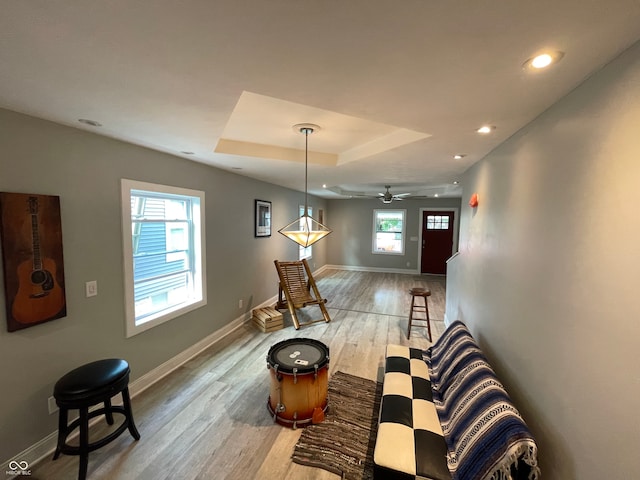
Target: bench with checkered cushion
[(410, 443), (444, 414)]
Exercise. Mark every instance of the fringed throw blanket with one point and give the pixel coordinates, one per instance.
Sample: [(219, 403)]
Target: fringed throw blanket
[(486, 437)]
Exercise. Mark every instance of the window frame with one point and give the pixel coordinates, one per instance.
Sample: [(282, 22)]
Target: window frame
[(198, 255), (402, 233), (437, 222)]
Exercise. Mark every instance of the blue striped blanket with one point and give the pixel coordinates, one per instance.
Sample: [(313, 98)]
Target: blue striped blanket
[(486, 437)]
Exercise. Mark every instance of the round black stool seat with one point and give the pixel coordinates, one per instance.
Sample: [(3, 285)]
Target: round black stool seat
[(92, 381), (86, 386)]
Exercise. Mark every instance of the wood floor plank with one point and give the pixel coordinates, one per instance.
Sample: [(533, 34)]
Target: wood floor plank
[(209, 420)]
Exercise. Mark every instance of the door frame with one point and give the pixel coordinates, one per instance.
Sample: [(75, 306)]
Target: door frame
[(456, 223)]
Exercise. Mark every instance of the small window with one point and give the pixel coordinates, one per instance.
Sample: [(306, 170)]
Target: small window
[(389, 231), (437, 222), (163, 253), (302, 251)]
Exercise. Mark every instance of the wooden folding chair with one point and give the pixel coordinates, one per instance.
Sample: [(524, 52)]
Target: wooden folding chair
[(300, 290)]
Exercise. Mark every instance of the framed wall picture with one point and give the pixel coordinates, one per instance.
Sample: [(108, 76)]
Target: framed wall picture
[(263, 218), (31, 234)]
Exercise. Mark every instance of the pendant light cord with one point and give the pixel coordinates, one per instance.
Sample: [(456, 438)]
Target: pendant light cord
[(306, 131)]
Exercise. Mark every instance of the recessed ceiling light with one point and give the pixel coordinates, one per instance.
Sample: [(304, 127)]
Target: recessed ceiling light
[(459, 156), (486, 129), (543, 60), (93, 123), (456, 182), (436, 195), (324, 185)]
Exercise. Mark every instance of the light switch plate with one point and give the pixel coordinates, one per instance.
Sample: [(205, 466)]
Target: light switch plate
[(91, 288)]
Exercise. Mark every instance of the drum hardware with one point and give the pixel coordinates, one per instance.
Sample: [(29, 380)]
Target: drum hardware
[(279, 409), (275, 370), (315, 373), (295, 420), (295, 376)]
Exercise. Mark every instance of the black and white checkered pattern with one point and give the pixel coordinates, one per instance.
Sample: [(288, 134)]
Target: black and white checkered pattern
[(410, 442)]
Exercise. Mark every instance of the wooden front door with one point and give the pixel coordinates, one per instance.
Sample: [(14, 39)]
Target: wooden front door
[(437, 241)]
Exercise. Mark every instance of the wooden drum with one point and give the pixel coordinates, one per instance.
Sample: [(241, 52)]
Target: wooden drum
[(299, 370)]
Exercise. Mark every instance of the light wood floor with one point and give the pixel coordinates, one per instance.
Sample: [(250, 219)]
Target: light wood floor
[(208, 419)]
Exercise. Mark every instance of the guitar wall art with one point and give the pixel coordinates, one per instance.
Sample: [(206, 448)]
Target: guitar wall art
[(31, 234)]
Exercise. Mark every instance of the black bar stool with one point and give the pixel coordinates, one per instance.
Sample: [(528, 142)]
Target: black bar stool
[(417, 293), (80, 389)]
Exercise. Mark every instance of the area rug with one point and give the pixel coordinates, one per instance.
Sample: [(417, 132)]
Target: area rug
[(343, 444)]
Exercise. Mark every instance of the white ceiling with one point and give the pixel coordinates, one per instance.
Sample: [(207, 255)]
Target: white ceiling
[(397, 87)]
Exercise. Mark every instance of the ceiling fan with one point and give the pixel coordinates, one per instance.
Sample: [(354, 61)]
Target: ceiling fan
[(388, 197)]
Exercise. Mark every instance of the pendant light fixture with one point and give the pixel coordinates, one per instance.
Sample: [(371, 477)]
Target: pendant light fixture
[(305, 231)]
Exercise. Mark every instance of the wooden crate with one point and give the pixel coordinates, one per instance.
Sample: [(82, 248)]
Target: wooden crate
[(267, 319)]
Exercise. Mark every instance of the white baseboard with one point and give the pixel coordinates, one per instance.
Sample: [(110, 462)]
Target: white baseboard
[(46, 446), (371, 269), (35, 453)]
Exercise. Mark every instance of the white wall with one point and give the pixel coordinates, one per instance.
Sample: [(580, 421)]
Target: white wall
[(548, 276), (85, 171)]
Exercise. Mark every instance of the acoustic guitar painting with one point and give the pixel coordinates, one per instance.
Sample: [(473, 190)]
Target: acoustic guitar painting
[(32, 259)]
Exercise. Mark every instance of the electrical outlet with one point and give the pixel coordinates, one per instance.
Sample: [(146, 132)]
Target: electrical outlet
[(91, 288), (240, 303), (53, 407)]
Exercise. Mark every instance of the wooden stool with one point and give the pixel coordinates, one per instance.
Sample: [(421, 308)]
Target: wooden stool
[(80, 389), (424, 293)]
